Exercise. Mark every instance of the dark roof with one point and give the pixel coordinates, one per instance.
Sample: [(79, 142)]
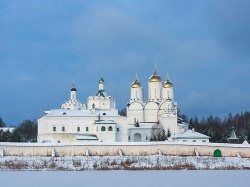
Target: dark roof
[(101, 80), (101, 93), (73, 88)]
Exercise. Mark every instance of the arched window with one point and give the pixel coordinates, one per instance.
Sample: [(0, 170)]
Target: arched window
[(110, 128), (87, 129), (78, 129), (54, 128), (63, 128), (103, 128)]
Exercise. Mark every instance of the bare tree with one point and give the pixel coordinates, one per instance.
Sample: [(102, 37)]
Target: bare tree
[(158, 133)]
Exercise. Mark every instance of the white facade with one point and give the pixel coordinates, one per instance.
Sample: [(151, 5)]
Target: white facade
[(160, 106), (100, 121), (190, 136), (73, 103), (140, 133), (74, 122), (101, 101)]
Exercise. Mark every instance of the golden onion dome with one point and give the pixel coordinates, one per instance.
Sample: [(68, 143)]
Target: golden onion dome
[(168, 84), (136, 84), (155, 77)]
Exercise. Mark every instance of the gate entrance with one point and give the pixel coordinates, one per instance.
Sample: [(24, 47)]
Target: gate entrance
[(137, 137), (217, 153)]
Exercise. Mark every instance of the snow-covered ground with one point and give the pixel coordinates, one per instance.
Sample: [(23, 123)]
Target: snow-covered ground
[(153, 162), (181, 178)]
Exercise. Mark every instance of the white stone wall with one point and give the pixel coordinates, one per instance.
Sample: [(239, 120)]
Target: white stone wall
[(70, 125), (155, 91), (135, 113), (136, 95), (189, 140), (144, 133), (168, 93), (142, 148), (169, 121), (102, 103), (151, 112)]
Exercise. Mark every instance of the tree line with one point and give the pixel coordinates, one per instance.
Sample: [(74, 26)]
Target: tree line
[(220, 129), (25, 132)]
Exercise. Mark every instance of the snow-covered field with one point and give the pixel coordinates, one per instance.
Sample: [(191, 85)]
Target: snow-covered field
[(182, 178), (124, 171), (153, 162)]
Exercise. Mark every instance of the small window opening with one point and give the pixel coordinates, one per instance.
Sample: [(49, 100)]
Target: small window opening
[(103, 128)]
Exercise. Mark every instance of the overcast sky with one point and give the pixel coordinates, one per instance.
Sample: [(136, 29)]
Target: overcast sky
[(204, 46)]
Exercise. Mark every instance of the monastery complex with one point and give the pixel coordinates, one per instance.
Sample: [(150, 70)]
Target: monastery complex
[(99, 121), (96, 128)]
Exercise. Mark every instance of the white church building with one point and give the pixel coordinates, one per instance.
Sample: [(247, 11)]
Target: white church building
[(98, 120)]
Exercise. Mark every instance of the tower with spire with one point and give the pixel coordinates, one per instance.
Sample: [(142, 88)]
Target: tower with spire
[(73, 92), (73, 103), (101, 100)]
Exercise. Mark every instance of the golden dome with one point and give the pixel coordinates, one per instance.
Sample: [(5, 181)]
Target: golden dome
[(167, 84), (136, 84), (155, 78)]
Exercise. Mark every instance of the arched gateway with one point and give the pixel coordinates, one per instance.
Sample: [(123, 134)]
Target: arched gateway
[(217, 153), (137, 137)]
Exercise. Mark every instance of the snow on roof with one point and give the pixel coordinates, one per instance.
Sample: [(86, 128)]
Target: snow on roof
[(89, 113), (182, 124), (232, 135), (4, 129), (85, 137), (245, 143), (190, 134), (141, 125), (14, 144), (105, 122)]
